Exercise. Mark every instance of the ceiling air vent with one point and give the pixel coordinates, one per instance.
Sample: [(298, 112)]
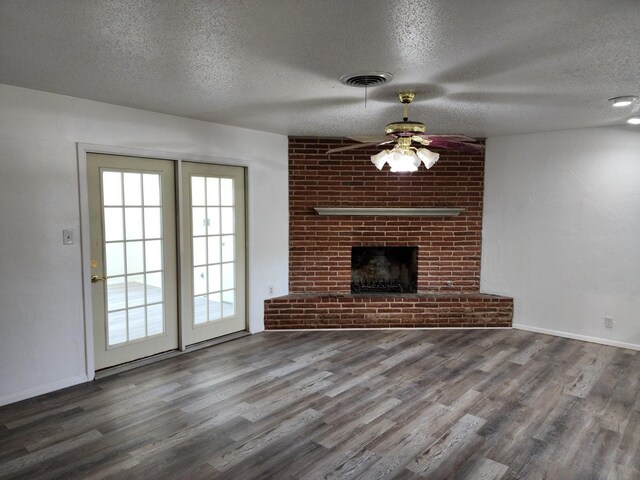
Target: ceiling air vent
[(369, 79)]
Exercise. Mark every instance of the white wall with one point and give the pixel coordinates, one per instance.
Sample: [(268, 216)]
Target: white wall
[(41, 310), (561, 231)]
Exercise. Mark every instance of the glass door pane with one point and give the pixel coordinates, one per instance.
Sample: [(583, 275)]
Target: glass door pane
[(215, 232), (133, 250), (214, 287)]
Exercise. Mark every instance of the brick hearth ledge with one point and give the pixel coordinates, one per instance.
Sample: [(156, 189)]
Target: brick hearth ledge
[(419, 310)]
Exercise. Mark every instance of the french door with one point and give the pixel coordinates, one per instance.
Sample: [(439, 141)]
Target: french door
[(133, 257), (213, 273), (135, 276)]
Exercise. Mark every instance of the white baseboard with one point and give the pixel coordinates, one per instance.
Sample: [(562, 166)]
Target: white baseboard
[(575, 336), (42, 389)]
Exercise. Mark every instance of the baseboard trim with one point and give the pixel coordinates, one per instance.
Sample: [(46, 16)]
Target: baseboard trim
[(575, 336), (43, 389)]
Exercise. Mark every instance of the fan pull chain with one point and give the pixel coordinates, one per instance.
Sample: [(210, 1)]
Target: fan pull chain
[(365, 95)]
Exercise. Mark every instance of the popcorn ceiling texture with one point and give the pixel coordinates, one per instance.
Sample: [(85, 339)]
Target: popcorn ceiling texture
[(484, 69), (449, 248)]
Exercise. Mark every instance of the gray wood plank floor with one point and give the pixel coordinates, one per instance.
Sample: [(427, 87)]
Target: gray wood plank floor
[(441, 404)]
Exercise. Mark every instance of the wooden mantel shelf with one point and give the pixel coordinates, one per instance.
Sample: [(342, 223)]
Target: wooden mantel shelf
[(384, 211)]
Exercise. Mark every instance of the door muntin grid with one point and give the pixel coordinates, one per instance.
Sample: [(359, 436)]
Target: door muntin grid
[(133, 247), (213, 236)]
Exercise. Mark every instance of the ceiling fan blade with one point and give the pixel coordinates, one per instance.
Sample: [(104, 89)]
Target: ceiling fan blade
[(451, 138), (358, 145), (451, 142), (370, 138), (351, 147), (458, 146), (421, 140)]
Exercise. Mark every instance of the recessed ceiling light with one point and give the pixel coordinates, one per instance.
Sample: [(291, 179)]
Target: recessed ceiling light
[(623, 101), (634, 120)]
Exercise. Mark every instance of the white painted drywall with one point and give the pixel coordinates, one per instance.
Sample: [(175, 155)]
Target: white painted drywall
[(561, 231), (41, 311)]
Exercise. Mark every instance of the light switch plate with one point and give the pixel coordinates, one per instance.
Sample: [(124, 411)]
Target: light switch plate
[(67, 237)]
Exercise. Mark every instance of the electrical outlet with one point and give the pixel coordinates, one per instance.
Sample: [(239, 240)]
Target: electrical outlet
[(608, 322), (270, 290)]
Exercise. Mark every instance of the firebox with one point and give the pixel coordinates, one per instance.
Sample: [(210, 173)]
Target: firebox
[(384, 269)]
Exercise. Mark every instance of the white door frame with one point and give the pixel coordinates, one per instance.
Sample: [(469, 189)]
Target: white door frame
[(83, 149)]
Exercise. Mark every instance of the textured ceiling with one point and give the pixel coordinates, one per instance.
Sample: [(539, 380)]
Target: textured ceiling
[(482, 68)]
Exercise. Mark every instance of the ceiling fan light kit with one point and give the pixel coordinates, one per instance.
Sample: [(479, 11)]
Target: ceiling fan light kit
[(404, 157), (635, 120), (400, 160), (623, 101), (428, 157)]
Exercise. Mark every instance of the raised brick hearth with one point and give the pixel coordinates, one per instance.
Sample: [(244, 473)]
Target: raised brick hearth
[(448, 258), (388, 311)]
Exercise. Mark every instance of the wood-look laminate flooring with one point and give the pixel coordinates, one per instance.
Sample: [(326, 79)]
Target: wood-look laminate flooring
[(439, 404)]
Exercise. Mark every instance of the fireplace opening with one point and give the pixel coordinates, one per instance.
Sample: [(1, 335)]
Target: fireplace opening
[(384, 269)]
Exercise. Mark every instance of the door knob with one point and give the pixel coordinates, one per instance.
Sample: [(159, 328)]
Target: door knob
[(98, 278)]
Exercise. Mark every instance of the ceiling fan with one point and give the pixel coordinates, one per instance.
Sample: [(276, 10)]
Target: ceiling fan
[(403, 157)]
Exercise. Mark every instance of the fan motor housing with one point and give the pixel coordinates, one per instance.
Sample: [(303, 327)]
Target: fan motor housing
[(404, 129)]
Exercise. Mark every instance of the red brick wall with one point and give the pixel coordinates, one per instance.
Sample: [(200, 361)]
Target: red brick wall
[(320, 247)]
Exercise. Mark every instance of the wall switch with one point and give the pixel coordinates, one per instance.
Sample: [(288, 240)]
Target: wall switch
[(67, 237), (270, 291), (608, 322)]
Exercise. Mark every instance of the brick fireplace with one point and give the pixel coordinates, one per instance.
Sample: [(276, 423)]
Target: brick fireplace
[(384, 269), (447, 249)]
